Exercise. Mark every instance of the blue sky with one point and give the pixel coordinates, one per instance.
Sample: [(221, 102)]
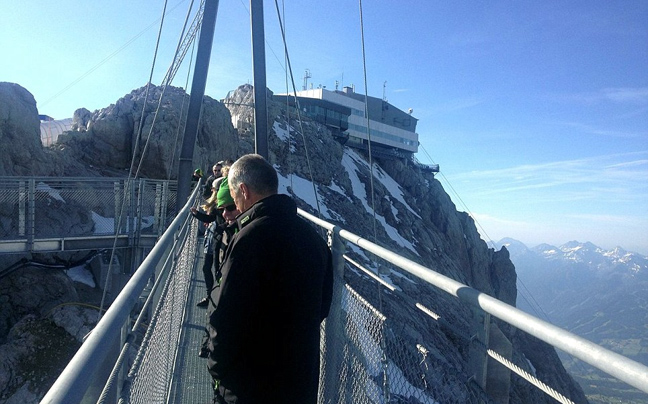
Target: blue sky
[(537, 112)]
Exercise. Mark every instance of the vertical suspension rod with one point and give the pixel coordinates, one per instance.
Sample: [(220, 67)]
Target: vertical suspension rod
[(196, 100), (259, 71)]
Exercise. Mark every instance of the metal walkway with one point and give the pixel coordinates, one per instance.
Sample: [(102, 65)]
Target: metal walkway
[(191, 380)]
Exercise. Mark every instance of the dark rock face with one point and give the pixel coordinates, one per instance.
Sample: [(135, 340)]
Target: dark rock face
[(31, 291), (19, 131), (31, 343), (108, 138)]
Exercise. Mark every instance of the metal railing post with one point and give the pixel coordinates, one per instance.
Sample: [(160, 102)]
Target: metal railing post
[(157, 215), (22, 208), (165, 207), (498, 376), (118, 192), (31, 213), (333, 334), (130, 213), (138, 211), (479, 335)]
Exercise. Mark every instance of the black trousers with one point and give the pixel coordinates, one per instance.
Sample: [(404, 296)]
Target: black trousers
[(208, 273)]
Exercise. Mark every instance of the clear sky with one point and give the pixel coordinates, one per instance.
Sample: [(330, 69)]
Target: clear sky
[(536, 111)]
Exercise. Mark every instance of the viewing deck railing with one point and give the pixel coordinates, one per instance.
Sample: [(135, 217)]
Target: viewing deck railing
[(45, 214)]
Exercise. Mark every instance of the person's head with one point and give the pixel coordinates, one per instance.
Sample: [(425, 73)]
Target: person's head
[(198, 172), (216, 169), (225, 202), (216, 182), (251, 178)]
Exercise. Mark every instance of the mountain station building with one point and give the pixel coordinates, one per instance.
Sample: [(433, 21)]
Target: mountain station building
[(392, 131)]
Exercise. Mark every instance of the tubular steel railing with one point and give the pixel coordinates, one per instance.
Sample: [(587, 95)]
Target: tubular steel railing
[(616, 365), (73, 384)]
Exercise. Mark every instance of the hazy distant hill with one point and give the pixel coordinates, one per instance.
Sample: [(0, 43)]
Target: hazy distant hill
[(601, 295)]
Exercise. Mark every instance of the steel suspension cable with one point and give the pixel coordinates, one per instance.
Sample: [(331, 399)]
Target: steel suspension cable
[(385, 364), (535, 306), (164, 88), (364, 69), (301, 126), (127, 183), (290, 165), (102, 62), (132, 176), (181, 122)]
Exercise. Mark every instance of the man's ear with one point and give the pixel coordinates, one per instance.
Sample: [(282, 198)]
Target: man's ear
[(244, 190)]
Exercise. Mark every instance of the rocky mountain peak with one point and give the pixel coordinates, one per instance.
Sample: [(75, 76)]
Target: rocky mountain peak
[(595, 293)]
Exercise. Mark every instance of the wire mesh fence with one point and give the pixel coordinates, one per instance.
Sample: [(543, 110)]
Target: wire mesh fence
[(48, 207), (366, 360), (150, 377)]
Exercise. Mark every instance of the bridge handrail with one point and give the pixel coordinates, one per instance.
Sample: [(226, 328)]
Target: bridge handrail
[(612, 363), (71, 385)]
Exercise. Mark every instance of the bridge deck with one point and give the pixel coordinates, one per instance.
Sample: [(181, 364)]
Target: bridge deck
[(191, 381)]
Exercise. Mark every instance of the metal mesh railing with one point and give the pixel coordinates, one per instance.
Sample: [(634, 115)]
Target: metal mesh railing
[(399, 350), (33, 208), (149, 379), (367, 360), (160, 284)]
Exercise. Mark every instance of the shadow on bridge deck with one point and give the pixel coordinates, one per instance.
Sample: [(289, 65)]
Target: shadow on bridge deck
[(191, 380)]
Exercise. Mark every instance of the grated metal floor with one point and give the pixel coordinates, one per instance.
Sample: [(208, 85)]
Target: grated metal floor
[(191, 381)]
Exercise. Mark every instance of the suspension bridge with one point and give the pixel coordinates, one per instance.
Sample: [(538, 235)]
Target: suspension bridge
[(144, 348)]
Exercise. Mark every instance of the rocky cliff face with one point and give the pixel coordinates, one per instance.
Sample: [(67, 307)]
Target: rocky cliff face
[(19, 131), (413, 216), (109, 138), (103, 142)]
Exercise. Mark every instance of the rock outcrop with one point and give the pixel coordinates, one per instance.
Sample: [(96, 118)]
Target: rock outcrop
[(108, 142), (19, 132), (32, 344), (109, 138)]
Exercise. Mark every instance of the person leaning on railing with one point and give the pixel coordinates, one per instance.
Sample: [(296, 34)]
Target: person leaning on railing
[(215, 221), (275, 291), (227, 209), (208, 187)]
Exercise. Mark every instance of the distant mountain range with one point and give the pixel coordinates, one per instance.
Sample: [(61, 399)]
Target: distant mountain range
[(598, 294)]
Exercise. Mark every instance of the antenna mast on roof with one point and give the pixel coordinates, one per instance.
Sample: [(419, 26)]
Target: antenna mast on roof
[(307, 75), (384, 102)]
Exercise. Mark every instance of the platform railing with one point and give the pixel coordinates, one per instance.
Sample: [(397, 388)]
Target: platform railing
[(75, 382), (631, 372), (49, 214), (365, 357)]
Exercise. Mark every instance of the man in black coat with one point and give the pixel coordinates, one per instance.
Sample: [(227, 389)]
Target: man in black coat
[(276, 290)]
